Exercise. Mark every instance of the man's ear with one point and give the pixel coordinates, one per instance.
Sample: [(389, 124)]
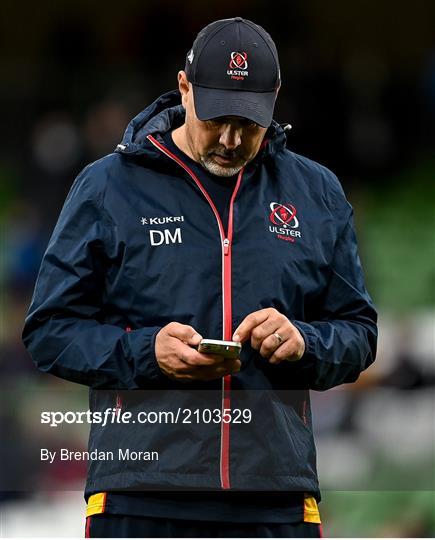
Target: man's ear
[(183, 86)]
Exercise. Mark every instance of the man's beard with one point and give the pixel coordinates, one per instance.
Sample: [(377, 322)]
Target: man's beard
[(212, 167)]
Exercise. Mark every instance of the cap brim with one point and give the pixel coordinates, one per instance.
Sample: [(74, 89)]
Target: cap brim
[(256, 106)]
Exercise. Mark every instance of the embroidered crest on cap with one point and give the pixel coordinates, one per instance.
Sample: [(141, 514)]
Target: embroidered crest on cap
[(238, 66)]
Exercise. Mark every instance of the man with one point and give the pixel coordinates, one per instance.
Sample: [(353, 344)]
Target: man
[(203, 224)]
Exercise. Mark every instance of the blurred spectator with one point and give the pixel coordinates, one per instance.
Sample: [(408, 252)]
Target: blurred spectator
[(104, 127), (56, 143)]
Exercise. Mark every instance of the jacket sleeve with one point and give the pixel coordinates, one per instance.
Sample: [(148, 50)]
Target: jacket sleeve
[(343, 342), (63, 331)]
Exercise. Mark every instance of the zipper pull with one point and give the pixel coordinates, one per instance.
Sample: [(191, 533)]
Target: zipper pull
[(226, 246)]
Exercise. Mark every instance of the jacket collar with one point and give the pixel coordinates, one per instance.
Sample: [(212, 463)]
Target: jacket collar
[(166, 113)]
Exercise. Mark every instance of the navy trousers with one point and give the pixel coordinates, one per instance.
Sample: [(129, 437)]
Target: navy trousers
[(118, 526)]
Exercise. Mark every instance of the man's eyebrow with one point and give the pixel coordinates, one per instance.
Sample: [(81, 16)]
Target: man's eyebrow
[(220, 118)]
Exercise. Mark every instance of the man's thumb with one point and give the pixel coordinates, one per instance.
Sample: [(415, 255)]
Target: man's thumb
[(184, 332), (188, 334), (194, 339)]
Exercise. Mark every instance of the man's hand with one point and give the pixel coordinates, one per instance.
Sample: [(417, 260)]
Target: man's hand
[(272, 334), (179, 360)]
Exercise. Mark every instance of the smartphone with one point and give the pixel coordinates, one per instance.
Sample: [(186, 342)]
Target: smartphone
[(228, 349)]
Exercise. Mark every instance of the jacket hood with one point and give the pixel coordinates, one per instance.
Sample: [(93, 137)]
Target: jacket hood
[(166, 113)]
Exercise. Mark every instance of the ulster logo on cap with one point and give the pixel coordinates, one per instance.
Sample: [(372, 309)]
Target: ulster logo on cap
[(239, 60), (238, 65)]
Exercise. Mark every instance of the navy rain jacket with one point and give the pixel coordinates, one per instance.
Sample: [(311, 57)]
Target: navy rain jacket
[(139, 244)]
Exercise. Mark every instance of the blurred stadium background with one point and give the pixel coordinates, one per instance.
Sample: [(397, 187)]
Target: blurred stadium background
[(359, 91)]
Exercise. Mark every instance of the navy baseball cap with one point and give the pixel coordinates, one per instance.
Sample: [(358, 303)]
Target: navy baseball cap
[(234, 69)]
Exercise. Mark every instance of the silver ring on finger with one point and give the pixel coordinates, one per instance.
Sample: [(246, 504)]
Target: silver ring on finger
[(279, 338)]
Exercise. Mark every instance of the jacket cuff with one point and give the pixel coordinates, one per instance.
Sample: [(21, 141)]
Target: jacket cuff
[(308, 332), (142, 347)]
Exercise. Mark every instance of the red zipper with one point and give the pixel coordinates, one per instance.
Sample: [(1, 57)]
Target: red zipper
[(226, 246), (228, 333)]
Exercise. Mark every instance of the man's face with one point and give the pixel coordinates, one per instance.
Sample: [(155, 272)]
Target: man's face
[(222, 145)]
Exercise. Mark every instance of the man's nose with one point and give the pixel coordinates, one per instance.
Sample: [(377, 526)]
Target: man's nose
[(230, 137)]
